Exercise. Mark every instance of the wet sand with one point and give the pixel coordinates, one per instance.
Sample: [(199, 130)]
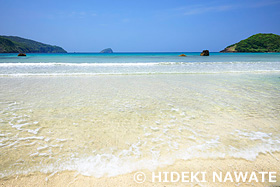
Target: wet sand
[(263, 163)]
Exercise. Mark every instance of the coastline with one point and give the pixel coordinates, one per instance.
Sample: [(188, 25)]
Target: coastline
[(229, 109), (140, 94), (264, 162)]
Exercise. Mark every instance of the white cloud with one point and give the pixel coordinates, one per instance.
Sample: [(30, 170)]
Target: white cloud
[(215, 7), (265, 3), (204, 9), (126, 20)]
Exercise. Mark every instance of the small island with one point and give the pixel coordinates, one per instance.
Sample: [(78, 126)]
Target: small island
[(14, 44), (107, 50), (256, 43)]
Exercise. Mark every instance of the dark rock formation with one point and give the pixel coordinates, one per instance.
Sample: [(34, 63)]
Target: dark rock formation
[(204, 53), (108, 50), (182, 55), (21, 54)]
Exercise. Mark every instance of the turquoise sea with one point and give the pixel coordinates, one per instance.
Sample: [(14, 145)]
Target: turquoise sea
[(132, 63), (104, 115)]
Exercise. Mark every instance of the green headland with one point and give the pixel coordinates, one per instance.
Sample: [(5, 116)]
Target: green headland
[(14, 44), (256, 43)]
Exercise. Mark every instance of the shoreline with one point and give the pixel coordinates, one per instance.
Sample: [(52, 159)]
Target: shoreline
[(247, 122), (85, 75), (263, 163)]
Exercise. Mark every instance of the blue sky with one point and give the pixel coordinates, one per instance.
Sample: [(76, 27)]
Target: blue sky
[(139, 26)]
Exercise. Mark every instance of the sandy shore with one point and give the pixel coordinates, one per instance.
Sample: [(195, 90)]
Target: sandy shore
[(264, 163)]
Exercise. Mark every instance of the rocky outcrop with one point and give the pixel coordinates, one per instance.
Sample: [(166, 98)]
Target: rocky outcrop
[(182, 55), (108, 50), (21, 54), (204, 53), (230, 49)]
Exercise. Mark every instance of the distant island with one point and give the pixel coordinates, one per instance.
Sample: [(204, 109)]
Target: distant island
[(14, 44), (256, 43), (108, 50)]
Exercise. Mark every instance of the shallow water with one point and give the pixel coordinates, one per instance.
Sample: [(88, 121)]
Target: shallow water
[(110, 114), (113, 124), (136, 63)]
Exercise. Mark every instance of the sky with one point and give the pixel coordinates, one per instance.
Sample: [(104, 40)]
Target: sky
[(139, 25)]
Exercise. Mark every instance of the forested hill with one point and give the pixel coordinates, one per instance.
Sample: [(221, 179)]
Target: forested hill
[(14, 44), (256, 43)]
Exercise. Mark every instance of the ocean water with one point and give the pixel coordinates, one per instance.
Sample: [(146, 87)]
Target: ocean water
[(133, 63), (111, 114)]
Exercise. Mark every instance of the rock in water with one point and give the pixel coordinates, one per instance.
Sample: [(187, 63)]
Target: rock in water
[(204, 53), (21, 54), (182, 55), (108, 50)]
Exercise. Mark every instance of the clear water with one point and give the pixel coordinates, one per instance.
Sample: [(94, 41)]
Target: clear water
[(106, 115), (131, 63)]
